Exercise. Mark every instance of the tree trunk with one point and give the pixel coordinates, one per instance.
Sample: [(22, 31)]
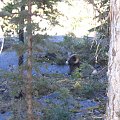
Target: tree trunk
[(21, 26), (21, 36), (29, 69), (1, 39), (113, 106)]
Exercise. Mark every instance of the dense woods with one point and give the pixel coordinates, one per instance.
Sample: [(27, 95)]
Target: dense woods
[(60, 60)]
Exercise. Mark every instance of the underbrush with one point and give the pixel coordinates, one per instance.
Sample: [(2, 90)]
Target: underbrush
[(82, 84)]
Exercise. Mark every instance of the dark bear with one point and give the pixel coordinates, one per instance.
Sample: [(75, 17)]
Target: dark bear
[(74, 62)]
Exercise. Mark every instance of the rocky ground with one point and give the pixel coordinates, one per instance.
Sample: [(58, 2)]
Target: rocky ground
[(74, 98)]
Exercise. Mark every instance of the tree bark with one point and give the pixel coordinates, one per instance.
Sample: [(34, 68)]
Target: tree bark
[(21, 36), (29, 69), (21, 24), (113, 105)]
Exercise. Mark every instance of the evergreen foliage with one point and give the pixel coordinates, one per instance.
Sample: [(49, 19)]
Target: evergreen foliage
[(44, 9)]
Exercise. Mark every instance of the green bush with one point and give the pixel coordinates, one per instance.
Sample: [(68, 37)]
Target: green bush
[(83, 71), (43, 86), (56, 113)]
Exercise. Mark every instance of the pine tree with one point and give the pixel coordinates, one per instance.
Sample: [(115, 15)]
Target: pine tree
[(21, 14)]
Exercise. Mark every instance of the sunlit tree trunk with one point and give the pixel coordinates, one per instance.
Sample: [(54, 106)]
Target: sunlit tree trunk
[(1, 39), (29, 69), (113, 106)]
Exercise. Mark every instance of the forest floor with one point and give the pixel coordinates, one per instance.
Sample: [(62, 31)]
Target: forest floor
[(57, 95)]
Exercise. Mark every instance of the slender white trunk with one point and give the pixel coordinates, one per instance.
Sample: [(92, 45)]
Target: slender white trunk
[(2, 44), (1, 40)]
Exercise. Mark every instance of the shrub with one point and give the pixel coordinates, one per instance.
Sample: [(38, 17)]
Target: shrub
[(56, 113)]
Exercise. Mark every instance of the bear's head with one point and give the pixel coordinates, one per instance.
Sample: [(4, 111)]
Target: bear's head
[(74, 62), (73, 59)]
